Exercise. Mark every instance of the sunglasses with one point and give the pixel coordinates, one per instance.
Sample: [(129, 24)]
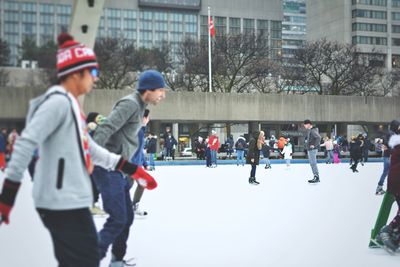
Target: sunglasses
[(94, 72)]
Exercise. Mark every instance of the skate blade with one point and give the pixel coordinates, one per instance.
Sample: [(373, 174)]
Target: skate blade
[(379, 245)]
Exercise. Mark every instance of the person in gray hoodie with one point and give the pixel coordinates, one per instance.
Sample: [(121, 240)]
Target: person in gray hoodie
[(312, 145), (119, 134), (62, 189)]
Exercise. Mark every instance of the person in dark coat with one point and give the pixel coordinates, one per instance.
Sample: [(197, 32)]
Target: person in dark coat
[(389, 235), (266, 150), (253, 156), (356, 148), (3, 149), (367, 145)]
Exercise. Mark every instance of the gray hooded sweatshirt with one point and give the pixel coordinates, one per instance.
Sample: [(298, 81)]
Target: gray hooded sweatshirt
[(61, 180), (119, 132)]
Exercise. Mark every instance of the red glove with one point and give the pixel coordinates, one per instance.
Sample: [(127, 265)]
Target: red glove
[(137, 173), (144, 179), (7, 199)]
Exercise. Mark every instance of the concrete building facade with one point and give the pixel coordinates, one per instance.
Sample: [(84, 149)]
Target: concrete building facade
[(372, 25), (293, 27), (147, 23), (191, 114)]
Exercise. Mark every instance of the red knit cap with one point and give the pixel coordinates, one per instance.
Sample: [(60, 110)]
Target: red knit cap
[(73, 56)]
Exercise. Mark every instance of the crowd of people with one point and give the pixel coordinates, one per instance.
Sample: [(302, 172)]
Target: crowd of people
[(106, 155)]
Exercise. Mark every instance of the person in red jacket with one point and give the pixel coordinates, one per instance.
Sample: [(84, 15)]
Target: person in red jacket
[(389, 235), (213, 142)]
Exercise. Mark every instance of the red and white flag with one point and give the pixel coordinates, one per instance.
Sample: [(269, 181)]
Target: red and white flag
[(211, 27)]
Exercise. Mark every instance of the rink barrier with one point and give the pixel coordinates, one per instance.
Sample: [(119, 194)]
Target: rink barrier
[(262, 161)]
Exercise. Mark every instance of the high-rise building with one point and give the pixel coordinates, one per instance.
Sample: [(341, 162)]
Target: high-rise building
[(293, 27), (147, 23), (373, 26)]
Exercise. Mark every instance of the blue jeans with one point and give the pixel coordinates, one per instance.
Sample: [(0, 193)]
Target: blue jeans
[(114, 190), (239, 158), (329, 154), (312, 157), (386, 166), (213, 156), (151, 160)]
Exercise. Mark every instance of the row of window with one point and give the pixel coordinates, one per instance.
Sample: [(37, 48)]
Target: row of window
[(361, 13), (369, 27), (395, 3), (369, 40), (370, 2), (31, 7)]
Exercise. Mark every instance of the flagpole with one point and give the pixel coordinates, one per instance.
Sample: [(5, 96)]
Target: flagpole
[(209, 51)]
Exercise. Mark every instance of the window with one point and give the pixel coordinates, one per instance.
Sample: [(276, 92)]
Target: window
[(395, 3), (234, 25), (396, 28), (113, 13), (11, 6), (369, 27), (369, 40), (361, 13), (130, 14), (46, 8), (370, 2), (28, 7), (395, 15), (396, 41)]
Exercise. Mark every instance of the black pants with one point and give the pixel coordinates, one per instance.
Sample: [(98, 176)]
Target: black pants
[(396, 220), (74, 236), (253, 170)]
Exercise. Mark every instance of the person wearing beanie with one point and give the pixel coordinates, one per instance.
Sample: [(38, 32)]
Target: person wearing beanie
[(312, 145), (389, 235), (119, 134), (62, 188)]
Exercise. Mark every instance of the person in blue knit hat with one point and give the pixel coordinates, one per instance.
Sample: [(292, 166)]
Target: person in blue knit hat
[(119, 132)]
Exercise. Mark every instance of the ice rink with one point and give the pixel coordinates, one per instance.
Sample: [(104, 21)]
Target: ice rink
[(202, 217)]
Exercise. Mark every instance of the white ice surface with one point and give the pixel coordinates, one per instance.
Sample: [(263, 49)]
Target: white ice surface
[(212, 217)]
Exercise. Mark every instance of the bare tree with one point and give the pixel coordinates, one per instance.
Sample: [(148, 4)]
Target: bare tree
[(117, 60), (240, 60), (4, 61)]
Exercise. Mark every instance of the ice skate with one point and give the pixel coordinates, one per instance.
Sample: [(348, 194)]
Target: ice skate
[(314, 180), (379, 190), (252, 180), (388, 238), (138, 211), (122, 263)]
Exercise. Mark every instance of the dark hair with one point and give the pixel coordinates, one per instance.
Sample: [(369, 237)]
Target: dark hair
[(146, 113), (307, 122), (63, 78), (91, 117)]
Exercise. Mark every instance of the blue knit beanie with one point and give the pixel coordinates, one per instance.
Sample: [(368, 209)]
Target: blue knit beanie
[(150, 80)]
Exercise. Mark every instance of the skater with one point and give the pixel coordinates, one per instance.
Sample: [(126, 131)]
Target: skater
[(287, 152), (328, 144), (139, 159), (313, 142), (208, 155), (152, 150), (214, 145), (119, 132), (240, 145), (336, 152), (356, 147), (266, 150), (229, 146), (62, 189), (253, 156), (3, 149), (389, 235), (170, 144), (386, 151)]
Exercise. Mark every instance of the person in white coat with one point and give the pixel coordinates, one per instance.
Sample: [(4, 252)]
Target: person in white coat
[(287, 152)]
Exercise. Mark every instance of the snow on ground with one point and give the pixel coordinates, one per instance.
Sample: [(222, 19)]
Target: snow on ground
[(213, 217)]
